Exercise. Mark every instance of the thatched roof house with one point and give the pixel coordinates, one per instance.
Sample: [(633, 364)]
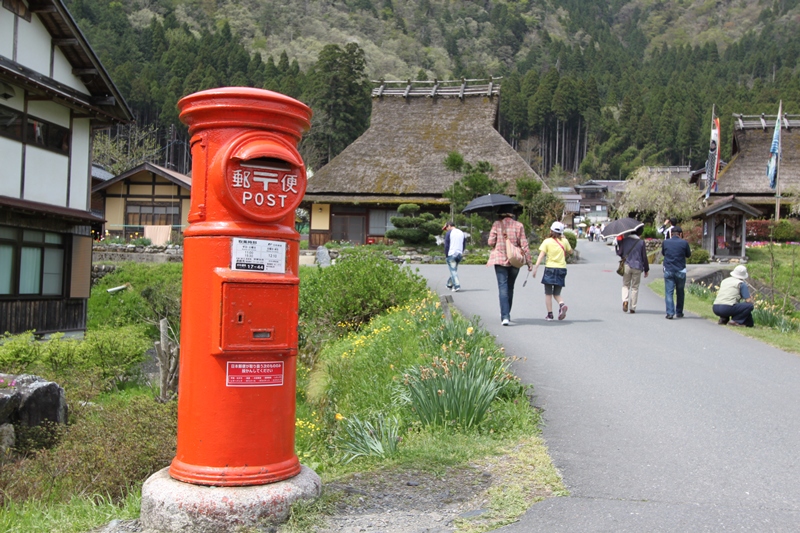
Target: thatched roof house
[(400, 158), (745, 175)]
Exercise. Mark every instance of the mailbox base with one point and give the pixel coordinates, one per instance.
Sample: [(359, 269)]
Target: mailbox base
[(171, 506)]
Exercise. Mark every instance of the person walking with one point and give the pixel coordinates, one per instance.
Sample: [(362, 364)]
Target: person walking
[(556, 248), (675, 251), (733, 304), (632, 249), (454, 252), (507, 228)]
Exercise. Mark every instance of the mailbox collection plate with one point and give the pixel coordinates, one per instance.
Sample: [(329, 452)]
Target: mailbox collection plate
[(258, 255), (254, 374)]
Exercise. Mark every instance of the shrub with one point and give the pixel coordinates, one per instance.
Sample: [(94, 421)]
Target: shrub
[(342, 297), (784, 231), (18, 353), (699, 256), (110, 451), (650, 232), (572, 238), (116, 352), (759, 230)]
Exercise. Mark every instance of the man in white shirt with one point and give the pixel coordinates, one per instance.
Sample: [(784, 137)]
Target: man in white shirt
[(453, 251)]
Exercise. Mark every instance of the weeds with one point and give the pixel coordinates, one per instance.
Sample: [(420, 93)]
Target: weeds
[(362, 438)]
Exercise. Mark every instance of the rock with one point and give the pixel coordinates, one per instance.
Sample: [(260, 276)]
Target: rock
[(7, 437), (323, 256), (32, 401)]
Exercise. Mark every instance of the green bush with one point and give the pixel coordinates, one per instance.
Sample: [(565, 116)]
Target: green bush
[(572, 238), (784, 231), (116, 352), (342, 297), (699, 256), (19, 353), (650, 232), (109, 451)]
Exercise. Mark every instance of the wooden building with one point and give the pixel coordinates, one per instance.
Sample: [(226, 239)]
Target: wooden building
[(745, 175), (53, 94), (400, 158), (146, 201)]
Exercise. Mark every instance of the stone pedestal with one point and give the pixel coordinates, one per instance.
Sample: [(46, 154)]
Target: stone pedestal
[(170, 506)]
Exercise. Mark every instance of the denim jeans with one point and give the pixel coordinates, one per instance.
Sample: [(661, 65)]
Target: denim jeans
[(674, 282), (506, 276), (452, 263)]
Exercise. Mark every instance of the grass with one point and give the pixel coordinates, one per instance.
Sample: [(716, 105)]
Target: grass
[(75, 516), (758, 267), (700, 304)]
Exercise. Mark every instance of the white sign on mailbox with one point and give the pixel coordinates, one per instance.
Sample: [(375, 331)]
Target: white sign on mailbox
[(258, 255)]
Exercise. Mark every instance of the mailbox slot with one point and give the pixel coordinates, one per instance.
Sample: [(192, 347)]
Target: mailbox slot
[(258, 316)]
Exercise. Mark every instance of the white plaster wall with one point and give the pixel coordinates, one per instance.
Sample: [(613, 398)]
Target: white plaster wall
[(11, 167), (79, 171), (45, 176), (33, 45), (62, 72), (6, 33), (49, 111)]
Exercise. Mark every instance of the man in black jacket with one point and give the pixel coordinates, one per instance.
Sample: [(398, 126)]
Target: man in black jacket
[(675, 251)]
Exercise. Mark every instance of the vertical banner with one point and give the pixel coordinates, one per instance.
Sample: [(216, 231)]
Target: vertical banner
[(712, 163)]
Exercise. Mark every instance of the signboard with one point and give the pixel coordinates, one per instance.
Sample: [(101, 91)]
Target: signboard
[(258, 255), (254, 374)]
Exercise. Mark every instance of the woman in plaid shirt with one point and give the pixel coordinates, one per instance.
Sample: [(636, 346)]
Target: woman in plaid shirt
[(507, 274)]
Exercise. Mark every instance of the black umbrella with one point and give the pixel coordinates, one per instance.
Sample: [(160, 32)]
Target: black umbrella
[(490, 202), (621, 227)]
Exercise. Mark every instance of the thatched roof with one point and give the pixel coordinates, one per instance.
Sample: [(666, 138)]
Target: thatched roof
[(746, 173), (175, 177), (403, 151)]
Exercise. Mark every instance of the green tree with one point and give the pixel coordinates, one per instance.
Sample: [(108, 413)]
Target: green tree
[(339, 95)]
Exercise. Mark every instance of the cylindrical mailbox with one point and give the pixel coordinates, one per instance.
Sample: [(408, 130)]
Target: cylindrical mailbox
[(236, 396)]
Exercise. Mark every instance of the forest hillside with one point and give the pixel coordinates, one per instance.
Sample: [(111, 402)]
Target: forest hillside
[(590, 88)]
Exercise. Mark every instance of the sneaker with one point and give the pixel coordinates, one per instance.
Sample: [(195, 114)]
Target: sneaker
[(624, 307), (734, 323), (562, 311), (633, 311), (456, 289), (505, 322), (549, 317), (670, 317), (723, 320), (679, 315)]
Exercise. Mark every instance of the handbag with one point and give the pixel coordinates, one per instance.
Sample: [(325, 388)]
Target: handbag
[(513, 253), (621, 267)]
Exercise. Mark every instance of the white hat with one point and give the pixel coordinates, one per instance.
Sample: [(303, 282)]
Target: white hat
[(740, 272), (557, 227)]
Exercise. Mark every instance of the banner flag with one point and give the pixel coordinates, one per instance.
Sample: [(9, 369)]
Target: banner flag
[(775, 152), (712, 164)]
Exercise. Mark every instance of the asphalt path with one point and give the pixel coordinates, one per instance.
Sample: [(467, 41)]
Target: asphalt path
[(655, 425)]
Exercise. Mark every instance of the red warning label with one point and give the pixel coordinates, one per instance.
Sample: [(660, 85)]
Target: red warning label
[(254, 374)]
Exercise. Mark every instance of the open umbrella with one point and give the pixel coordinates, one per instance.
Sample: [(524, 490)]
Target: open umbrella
[(621, 227), (490, 202), (581, 225)]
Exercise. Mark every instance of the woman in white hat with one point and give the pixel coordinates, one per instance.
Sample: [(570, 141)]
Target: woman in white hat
[(734, 305), (556, 248)]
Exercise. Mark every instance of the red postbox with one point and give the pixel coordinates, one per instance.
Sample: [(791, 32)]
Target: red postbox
[(236, 401)]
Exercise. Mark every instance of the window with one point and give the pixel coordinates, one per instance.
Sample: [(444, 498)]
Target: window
[(150, 214), (37, 132), (10, 123), (31, 262), (380, 221)]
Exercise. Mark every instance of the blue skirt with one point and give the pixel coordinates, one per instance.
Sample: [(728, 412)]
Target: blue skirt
[(554, 276)]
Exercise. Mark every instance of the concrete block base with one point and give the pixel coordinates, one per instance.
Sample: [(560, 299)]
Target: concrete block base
[(170, 506)]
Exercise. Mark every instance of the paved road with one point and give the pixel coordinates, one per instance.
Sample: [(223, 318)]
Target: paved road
[(655, 425)]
